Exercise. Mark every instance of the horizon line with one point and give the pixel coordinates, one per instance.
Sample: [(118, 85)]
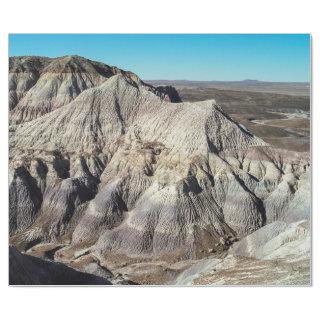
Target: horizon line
[(244, 80), (187, 80)]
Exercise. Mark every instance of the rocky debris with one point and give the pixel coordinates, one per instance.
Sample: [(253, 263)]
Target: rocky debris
[(98, 270), (120, 169), (244, 271), (28, 270)]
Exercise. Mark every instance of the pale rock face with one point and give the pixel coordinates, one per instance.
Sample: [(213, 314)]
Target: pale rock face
[(120, 169), (276, 240), (24, 72)]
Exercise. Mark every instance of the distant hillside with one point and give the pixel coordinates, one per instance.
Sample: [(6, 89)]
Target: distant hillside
[(291, 88)]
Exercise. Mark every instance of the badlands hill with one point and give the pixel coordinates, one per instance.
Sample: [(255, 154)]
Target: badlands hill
[(102, 164), (38, 85)]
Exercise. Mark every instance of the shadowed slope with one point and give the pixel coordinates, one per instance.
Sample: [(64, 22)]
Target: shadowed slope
[(27, 270)]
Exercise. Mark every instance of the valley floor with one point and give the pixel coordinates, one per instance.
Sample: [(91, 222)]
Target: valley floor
[(277, 254)]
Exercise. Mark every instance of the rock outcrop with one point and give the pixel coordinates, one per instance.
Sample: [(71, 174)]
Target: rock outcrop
[(114, 167)]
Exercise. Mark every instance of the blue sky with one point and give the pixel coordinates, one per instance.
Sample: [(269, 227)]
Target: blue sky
[(181, 56)]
